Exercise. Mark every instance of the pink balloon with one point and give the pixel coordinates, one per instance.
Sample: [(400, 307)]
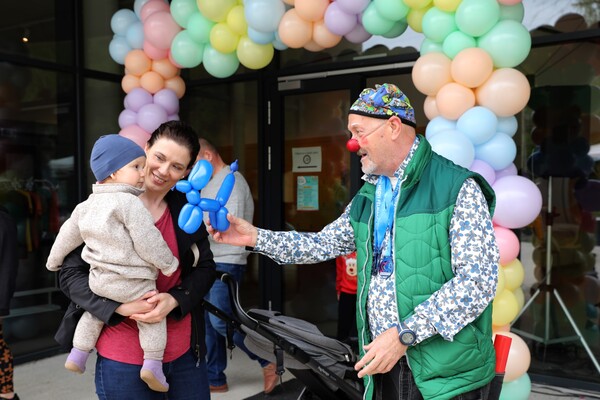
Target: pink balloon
[(484, 169), (167, 99), (174, 117), (152, 7), (127, 118), (160, 28), (136, 99), (137, 134), (508, 171), (154, 52), (509, 2), (518, 202), (151, 116), (508, 244)]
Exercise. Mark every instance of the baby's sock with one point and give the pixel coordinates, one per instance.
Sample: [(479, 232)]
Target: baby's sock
[(152, 373), (76, 360)]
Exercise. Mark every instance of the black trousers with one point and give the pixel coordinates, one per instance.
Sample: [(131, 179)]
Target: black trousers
[(399, 384)]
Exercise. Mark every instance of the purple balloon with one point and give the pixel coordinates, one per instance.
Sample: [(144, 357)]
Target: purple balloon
[(137, 98), (358, 34), (508, 171), (338, 21), (127, 118), (168, 100), (518, 202), (151, 116), (353, 6), (485, 170)]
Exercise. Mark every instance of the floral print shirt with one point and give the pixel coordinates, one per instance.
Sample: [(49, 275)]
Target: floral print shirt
[(474, 260)]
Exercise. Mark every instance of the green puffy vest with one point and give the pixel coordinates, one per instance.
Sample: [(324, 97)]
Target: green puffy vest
[(422, 255)]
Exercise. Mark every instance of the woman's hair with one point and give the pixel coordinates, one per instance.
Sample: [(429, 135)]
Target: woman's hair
[(179, 132)]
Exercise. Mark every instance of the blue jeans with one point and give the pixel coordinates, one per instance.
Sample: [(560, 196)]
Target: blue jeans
[(216, 329), (119, 381)]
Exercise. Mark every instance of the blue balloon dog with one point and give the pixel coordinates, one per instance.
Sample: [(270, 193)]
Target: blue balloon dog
[(190, 217)]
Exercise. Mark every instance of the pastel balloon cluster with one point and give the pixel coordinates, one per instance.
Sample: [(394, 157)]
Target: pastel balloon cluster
[(217, 34), (150, 74), (190, 217), (128, 33), (145, 112)]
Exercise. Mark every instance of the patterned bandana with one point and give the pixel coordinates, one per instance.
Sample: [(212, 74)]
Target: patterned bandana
[(384, 101)]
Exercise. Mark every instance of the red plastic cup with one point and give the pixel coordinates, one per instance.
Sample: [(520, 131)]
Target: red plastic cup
[(502, 345)]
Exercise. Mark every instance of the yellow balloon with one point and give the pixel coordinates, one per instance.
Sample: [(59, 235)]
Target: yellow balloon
[(501, 283), (253, 55), (223, 39), (500, 328), (505, 308), (415, 18), (237, 21), (447, 5), (520, 296), (215, 10), (514, 273)]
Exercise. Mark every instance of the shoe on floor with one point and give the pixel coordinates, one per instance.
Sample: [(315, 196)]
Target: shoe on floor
[(270, 378), (219, 388), (152, 373), (76, 360)]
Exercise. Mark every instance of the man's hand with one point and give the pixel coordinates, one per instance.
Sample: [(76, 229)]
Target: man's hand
[(240, 232), (139, 306), (382, 354), (163, 304)]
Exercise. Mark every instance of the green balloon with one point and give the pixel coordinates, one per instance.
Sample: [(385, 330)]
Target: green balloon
[(220, 65), (429, 46), (374, 23), (199, 27), (392, 9), (496, 41), (397, 30), (456, 42), (519, 389), (181, 10), (476, 17), (438, 24), (186, 51), (515, 12)]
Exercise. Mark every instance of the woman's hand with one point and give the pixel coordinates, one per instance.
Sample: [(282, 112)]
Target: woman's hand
[(163, 304), (240, 232), (139, 306)]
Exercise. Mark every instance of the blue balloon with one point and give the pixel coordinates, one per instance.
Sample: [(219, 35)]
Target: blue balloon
[(439, 124), (478, 123), (184, 215), (221, 223), (122, 20), (260, 37), (194, 220), (193, 197), (118, 49), (200, 174), (499, 152), (209, 205), (264, 15), (508, 125), (455, 146), (135, 35), (183, 186)]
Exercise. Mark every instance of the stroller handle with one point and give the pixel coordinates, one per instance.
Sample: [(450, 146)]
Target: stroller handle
[(240, 316)]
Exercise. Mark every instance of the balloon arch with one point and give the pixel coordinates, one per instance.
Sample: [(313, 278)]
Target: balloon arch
[(465, 68)]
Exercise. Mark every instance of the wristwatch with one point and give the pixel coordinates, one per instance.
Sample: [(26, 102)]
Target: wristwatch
[(407, 337)]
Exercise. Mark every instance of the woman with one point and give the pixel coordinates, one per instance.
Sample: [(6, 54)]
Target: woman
[(171, 150)]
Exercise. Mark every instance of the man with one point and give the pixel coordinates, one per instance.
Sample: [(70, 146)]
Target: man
[(230, 259), (426, 254), (9, 263)]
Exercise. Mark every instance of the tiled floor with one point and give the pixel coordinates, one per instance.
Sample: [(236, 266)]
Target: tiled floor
[(48, 380)]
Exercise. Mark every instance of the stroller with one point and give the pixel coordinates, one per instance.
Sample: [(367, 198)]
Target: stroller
[(324, 365)]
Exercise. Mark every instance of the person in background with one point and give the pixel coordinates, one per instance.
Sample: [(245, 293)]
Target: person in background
[(233, 260), (426, 254), (345, 285), (9, 263), (123, 247), (170, 154)]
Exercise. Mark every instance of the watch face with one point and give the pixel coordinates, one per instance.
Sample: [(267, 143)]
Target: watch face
[(407, 338)]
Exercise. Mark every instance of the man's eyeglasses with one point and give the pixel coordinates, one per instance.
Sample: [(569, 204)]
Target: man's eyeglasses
[(364, 135)]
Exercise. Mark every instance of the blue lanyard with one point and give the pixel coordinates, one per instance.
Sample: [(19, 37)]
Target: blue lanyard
[(385, 206)]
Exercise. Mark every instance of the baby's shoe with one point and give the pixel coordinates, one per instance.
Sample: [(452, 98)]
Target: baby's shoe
[(76, 360), (152, 374)]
